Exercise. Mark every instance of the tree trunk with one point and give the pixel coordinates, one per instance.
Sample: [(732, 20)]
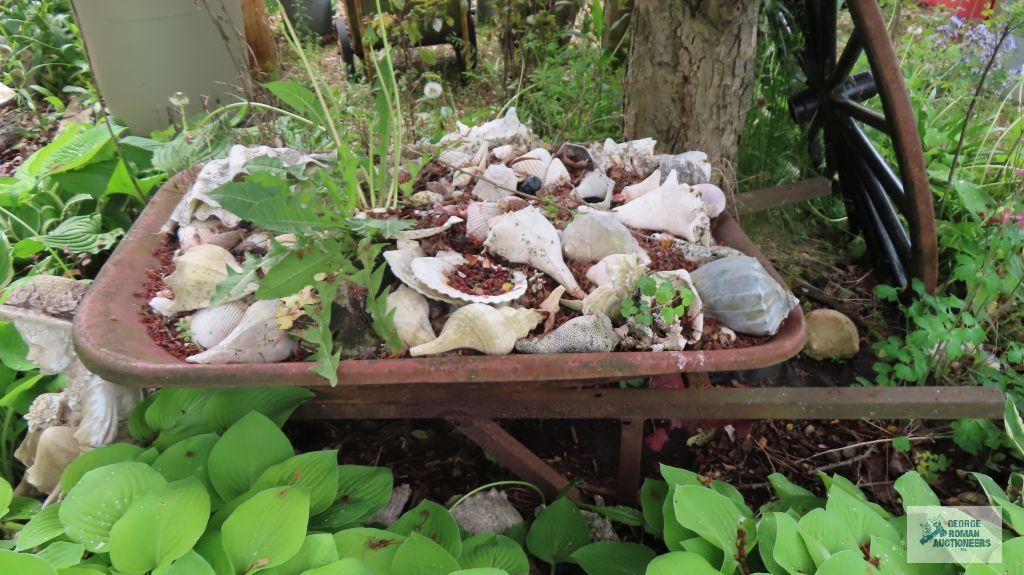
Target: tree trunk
[(691, 73)]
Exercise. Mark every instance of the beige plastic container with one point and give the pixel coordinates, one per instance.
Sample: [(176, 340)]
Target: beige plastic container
[(144, 51)]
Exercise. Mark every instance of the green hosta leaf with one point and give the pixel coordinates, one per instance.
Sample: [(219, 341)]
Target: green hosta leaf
[(226, 406), (62, 554), (785, 488), (83, 570), (96, 458), (915, 491), (81, 235), (362, 491), (620, 513), (673, 533), (705, 549), (341, 567), (480, 571), (652, 498), (855, 522), (268, 529), (316, 471), (614, 558), (432, 521), (767, 531), (317, 550), (558, 532), (160, 526), (375, 548), (148, 456), (211, 548), (715, 518), (245, 451), (421, 556), (846, 563), (6, 495), (187, 458), (6, 261), (789, 550), (191, 563), (679, 563), (170, 406), (494, 550), (300, 99), (137, 426), (1014, 425), (13, 349), (102, 497), (72, 149), (1013, 514), (22, 508), (12, 563), (892, 560), (42, 528)]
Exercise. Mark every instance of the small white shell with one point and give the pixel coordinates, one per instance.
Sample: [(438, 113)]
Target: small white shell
[(211, 325), (478, 218), (427, 232), (527, 237), (556, 174), (400, 264), (533, 163), (411, 316), (498, 181), (196, 275), (634, 191), (434, 272), (713, 198), (596, 189), (256, 339), (478, 326)]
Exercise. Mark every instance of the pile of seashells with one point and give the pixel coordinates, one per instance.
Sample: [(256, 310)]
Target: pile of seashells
[(516, 248)]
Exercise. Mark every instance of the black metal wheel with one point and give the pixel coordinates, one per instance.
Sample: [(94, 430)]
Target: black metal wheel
[(889, 203)]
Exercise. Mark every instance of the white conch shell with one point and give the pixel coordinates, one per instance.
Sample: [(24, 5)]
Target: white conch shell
[(196, 275), (620, 271), (670, 208), (634, 191), (400, 264), (695, 311), (434, 272), (478, 326), (256, 339), (211, 325), (592, 236), (713, 198), (498, 181), (596, 186), (478, 218), (584, 334), (527, 237), (411, 316), (556, 174), (427, 232), (533, 163)]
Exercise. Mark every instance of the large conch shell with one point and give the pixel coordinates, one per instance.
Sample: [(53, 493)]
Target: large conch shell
[(411, 316), (478, 218), (196, 275), (434, 273), (591, 236), (619, 271), (670, 208), (480, 327), (533, 163), (634, 191), (527, 237), (584, 334), (400, 264), (497, 182), (211, 325), (256, 339)]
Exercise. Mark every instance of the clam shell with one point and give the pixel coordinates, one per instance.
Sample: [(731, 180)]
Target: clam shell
[(527, 237), (670, 208), (533, 163), (480, 327), (411, 316), (256, 339), (556, 174), (427, 232), (478, 218), (434, 272), (649, 184), (211, 325), (584, 334), (196, 275), (498, 181)]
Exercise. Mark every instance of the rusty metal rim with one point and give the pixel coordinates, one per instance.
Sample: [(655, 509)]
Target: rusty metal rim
[(113, 343)]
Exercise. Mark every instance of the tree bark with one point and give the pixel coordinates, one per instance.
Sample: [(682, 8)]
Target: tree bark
[(691, 73)]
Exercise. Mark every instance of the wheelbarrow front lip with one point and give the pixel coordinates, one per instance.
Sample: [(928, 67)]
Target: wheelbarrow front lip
[(113, 343)]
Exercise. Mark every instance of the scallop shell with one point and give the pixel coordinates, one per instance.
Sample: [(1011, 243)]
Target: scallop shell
[(649, 184), (527, 237), (400, 264), (533, 163), (211, 325), (434, 272), (480, 327), (196, 275), (620, 271), (584, 334), (411, 314), (427, 232), (556, 174), (592, 236), (713, 198), (497, 182), (256, 339), (596, 189), (478, 218), (670, 208)]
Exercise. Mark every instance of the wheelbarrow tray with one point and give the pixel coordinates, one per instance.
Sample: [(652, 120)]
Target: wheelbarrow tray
[(113, 343)]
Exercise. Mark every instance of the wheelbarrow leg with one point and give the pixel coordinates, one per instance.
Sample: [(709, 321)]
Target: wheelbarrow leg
[(631, 449), (515, 456)]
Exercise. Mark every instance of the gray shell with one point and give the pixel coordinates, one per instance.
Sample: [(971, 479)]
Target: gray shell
[(584, 334), (741, 294)]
